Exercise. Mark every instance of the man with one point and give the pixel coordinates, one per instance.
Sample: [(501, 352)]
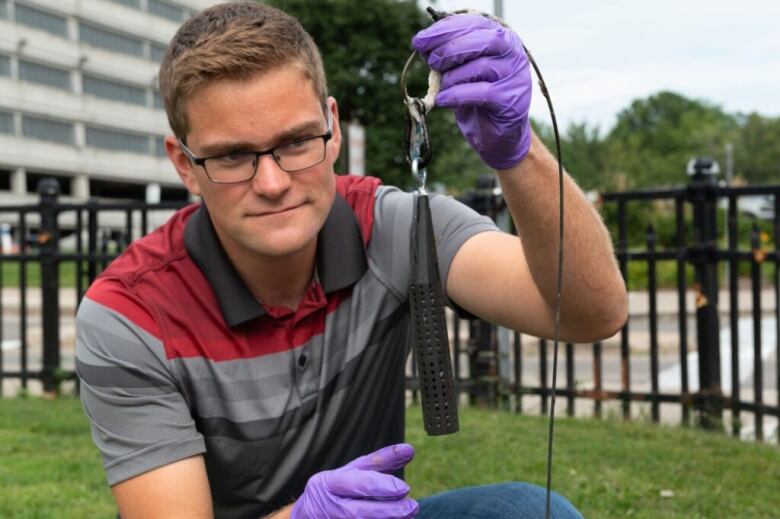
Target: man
[(247, 358)]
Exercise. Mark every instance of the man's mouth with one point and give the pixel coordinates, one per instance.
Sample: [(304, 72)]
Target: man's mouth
[(275, 212)]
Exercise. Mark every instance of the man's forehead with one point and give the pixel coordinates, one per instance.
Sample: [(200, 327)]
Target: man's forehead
[(266, 83), (258, 109)]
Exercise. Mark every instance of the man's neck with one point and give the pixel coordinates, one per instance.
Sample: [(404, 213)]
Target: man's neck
[(276, 281)]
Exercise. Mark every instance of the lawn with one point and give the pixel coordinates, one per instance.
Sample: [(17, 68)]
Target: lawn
[(608, 468), (11, 273)]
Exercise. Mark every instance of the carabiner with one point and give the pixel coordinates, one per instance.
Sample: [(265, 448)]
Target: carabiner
[(417, 144)]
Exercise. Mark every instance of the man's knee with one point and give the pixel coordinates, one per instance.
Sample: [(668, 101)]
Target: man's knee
[(560, 507), (498, 501)]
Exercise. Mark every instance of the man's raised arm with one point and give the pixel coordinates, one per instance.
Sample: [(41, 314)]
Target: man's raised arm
[(511, 280)]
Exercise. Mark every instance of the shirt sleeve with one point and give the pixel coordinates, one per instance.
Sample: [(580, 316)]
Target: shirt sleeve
[(391, 237), (139, 418)]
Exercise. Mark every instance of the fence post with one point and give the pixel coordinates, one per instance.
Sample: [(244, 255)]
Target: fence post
[(483, 344), (92, 238), (48, 239), (702, 194), (482, 357)]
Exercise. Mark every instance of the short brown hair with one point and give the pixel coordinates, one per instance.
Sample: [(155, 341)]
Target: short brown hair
[(234, 40)]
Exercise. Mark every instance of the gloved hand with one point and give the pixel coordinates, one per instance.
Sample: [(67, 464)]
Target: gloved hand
[(486, 79), (362, 489)]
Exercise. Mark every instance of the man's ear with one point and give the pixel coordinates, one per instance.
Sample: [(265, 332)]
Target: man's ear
[(184, 167), (334, 145)]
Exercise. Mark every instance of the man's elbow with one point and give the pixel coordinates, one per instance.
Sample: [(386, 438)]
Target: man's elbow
[(601, 321), (615, 318)]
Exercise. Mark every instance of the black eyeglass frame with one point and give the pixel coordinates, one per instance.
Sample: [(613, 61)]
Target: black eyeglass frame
[(201, 161)]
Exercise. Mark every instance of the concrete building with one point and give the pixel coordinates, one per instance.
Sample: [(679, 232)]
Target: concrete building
[(79, 99)]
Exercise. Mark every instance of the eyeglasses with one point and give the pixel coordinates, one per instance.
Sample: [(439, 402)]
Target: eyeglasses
[(233, 168)]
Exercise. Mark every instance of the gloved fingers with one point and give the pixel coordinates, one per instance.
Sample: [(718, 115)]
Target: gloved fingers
[(387, 459), (365, 484), (463, 48), (486, 69), (479, 94), (448, 28), (399, 509)]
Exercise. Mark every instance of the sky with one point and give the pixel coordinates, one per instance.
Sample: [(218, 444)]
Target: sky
[(599, 55)]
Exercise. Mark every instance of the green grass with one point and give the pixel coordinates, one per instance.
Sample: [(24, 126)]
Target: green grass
[(11, 273), (49, 467), (606, 468)]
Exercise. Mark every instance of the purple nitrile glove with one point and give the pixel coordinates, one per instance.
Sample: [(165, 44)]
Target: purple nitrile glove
[(486, 79), (362, 488)]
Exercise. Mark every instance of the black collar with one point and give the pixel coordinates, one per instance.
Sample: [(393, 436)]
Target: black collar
[(341, 260)]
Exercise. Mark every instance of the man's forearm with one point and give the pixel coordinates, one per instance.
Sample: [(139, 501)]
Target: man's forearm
[(592, 284)]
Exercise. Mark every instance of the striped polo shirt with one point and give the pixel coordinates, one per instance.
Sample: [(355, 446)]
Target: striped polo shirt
[(177, 358)]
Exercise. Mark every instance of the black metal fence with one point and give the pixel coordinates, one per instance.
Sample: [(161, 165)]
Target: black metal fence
[(498, 367), (53, 241), (493, 366)]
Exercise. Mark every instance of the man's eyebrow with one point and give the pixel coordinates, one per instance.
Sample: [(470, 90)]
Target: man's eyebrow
[(300, 131), (222, 148)]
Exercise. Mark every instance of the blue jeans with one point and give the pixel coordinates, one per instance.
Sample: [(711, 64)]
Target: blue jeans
[(501, 501)]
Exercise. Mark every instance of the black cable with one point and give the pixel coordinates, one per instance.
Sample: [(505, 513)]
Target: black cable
[(438, 15), (559, 286)]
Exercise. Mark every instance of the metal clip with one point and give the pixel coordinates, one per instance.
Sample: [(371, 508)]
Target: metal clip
[(417, 142), (420, 174)]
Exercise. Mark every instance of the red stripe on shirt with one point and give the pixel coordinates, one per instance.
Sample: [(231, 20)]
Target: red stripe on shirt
[(263, 336), (112, 294)]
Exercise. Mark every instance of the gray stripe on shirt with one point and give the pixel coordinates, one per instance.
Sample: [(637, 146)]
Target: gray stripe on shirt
[(219, 394)]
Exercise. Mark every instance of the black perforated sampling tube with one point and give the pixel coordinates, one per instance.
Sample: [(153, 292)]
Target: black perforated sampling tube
[(429, 329)]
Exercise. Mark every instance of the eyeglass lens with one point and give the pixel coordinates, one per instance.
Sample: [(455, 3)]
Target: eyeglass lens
[(290, 157)]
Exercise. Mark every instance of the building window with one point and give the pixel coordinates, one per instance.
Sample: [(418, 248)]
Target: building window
[(157, 52), (47, 129), (106, 39), (119, 190), (41, 20), (136, 4), (3, 9), (171, 194), (113, 90), (166, 10), (157, 100), (159, 147), (44, 75), (5, 180), (6, 123), (5, 65), (116, 140)]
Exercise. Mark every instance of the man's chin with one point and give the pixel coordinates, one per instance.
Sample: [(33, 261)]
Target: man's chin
[(279, 248), (282, 238)]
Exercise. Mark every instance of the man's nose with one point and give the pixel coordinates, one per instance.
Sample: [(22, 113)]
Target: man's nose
[(270, 180)]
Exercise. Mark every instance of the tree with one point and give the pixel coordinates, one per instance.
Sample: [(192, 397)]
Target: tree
[(582, 149), (654, 138), (757, 150), (583, 156), (364, 46)]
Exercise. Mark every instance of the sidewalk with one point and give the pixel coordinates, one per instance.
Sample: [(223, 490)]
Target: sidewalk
[(11, 300), (666, 302), (668, 320), (638, 307), (638, 302)]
